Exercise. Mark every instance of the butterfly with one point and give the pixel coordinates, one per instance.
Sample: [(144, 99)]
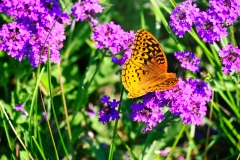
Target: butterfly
[(146, 70)]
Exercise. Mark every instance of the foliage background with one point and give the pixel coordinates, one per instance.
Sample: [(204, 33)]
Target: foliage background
[(87, 77)]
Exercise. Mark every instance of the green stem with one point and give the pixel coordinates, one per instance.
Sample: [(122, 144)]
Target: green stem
[(110, 157), (205, 49), (33, 100), (53, 108), (39, 148), (7, 134), (147, 142), (223, 123), (176, 142), (64, 103), (230, 102), (142, 19), (49, 127), (192, 145), (14, 130), (165, 23), (127, 147)]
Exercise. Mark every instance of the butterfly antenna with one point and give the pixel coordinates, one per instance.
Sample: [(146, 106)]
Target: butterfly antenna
[(176, 68), (181, 71)]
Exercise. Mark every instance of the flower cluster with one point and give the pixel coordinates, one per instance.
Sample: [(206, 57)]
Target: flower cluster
[(230, 58), (182, 17), (225, 11), (149, 111), (208, 28), (109, 112), (85, 10), (187, 100), (112, 37), (36, 25), (188, 60), (209, 23), (108, 35)]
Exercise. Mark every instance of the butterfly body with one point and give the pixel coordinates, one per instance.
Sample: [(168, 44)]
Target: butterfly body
[(146, 70)]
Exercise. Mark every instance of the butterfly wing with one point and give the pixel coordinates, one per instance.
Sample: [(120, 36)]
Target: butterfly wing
[(146, 70), (136, 75), (145, 42), (139, 78)]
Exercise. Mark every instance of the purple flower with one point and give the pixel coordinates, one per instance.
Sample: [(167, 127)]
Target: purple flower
[(225, 11), (105, 99), (108, 112), (209, 28), (27, 35), (188, 100), (148, 111), (230, 58), (85, 10), (188, 60), (20, 108), (112, 37), (13, 38), (183, 16), (121, 61), (114, 103)]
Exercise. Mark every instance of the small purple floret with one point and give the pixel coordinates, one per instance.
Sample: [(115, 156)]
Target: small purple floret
[(112, 37), (182, 17), (188, 60), (230, 58), (85, 10), (109, 112), (19, 107)]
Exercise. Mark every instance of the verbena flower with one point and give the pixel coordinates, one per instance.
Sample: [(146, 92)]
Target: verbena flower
[(187, 100), (225, 11), (183, 16), (105, 99), (209, 28), (109, 112), (85, 10), (112, 37), (148, 111), (26, 36), (230, 58), (13, 38), (19, 107), (188, 60)]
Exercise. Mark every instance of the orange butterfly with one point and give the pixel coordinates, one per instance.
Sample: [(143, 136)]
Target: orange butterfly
[(146, 70)]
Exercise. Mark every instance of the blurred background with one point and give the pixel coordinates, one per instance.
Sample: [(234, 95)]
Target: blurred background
[(83, 90)]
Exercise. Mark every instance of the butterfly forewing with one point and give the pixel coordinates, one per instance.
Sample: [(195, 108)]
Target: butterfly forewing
[(138, 78), (145, 42)]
